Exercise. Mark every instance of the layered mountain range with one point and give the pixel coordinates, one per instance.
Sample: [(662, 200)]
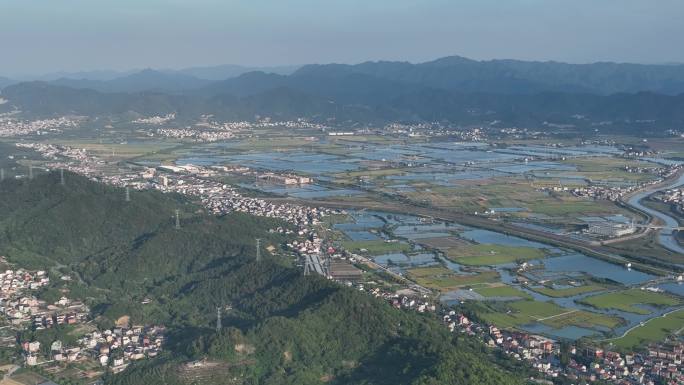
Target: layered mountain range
[(452, 89)]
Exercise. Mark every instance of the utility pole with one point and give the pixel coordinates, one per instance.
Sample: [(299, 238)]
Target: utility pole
[(218, 319), (128, 195), (30, 171), (258, 250), (177, 219), (61, 176), (2, 174)]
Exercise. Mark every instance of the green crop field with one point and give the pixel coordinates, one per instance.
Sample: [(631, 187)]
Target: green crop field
[(568, 206), (372, 173), (627, 300), (443, 279), (567, 292), (511, 192), (118, 150), (653, 330), (487, 254), (523, 312), (610, 169), (548, 313), (583, 318), (502, 291), (536, 310), (376, 247)]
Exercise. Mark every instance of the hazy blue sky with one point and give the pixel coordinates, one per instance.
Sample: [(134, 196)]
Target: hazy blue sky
[(52, 35)]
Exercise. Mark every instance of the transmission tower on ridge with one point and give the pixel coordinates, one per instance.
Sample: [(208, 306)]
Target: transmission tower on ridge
[(258, 249), (218, 319)]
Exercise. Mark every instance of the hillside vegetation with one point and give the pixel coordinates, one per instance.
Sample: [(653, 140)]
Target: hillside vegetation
[(281, 327)]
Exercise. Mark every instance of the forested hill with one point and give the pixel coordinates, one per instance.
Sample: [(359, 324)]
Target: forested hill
[(283, 328)]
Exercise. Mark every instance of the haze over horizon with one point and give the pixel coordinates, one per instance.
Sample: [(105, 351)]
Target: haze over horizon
[(49, 36)]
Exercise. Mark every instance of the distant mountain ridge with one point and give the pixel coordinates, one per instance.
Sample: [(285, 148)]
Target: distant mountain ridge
[(226, 71), (156, 80), (457, 73), (454, 90), (145, 80), (452, 73)]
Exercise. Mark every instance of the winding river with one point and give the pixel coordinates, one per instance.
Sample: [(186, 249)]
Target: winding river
[(666, 236)]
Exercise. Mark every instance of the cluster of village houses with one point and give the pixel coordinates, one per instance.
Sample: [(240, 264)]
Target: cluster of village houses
[(114, 348), (155, 120), (610, 193), (195, 134), (207, 122), (209, 131), (23, 311), (673, 196), (435, 131), (10, 126), (615, 193), (21, 308), (661, 364)]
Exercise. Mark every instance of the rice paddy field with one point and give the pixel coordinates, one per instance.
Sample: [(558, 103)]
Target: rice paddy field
[(444, 279), (376, 247), (503, 291), (490, 254), (653, 330), (631, 301), (568, 291), (522, 313)]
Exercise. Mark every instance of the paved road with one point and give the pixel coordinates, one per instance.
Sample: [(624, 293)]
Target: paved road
[(315, 264)]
